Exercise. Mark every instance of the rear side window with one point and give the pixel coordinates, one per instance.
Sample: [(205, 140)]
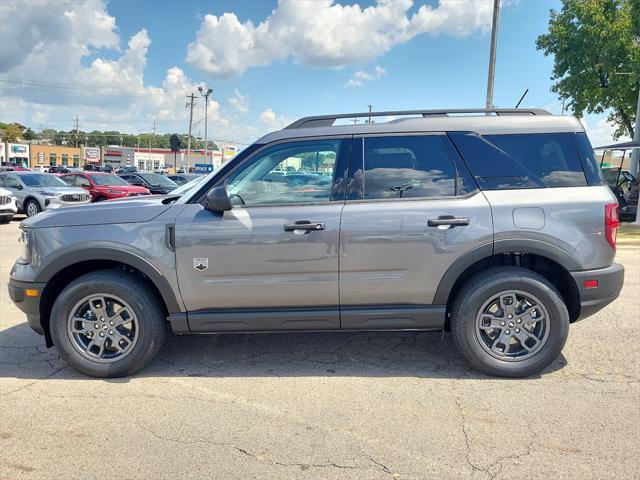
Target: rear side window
[(521, 161), (407, 167), (588, 158)]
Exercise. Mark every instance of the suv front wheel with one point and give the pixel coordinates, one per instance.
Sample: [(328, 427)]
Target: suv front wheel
[(509, 322), (107, 323)]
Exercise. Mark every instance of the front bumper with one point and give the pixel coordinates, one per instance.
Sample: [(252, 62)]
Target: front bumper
[(22, 294), (609, 284)]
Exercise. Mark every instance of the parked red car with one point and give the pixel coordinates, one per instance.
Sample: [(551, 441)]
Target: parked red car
[(103, 186)]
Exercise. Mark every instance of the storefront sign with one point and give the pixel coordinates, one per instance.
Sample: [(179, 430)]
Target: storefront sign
[(92, 154), (40, 157)]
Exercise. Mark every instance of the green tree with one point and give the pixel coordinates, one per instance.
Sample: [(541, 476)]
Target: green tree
[(593, 42)]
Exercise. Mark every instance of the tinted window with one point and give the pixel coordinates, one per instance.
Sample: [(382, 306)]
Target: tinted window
[(521, 161), (105, 180), (299, 172), (552, 157), (407, 167), (41, 180), (587, 156)]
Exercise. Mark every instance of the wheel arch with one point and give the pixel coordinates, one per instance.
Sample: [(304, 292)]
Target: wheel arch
[(60, 272), (26, 200), (553, 263)]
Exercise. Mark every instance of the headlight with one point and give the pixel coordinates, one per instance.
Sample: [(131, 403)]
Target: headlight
[(46, 193), (25, 238)]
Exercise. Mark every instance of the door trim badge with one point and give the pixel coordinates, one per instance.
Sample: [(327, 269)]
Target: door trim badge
[(201, 264)]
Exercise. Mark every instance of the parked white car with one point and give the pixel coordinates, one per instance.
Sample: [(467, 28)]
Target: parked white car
[(8, 205)]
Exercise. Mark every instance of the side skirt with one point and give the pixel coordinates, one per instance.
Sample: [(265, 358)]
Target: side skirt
[(311, 319)]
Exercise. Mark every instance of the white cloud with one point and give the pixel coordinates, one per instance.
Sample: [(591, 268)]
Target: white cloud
[(239, 102), (359, 78), (272, 120), (72, 61), (600, 132), (323, 33)]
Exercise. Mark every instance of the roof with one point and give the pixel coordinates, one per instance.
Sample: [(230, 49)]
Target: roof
[(620, 146), (512, 123)]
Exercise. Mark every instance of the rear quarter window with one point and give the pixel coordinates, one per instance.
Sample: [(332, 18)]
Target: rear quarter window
[(522, 160)]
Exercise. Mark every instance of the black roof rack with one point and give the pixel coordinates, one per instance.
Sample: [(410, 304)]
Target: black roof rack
[(329, 120)]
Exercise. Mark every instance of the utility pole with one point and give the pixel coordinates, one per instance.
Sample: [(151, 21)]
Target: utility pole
[(635, 153), (190, 106), (77, 130), (154, 138), (492, 53), (205, 94), (369, 113)]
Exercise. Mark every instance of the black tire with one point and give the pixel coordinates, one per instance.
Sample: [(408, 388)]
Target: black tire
[(479, 290), (100, 199), (148, 310), (5, 219), (34, 210)]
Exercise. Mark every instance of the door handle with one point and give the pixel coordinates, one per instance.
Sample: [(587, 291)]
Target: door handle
[(448, 220), (303, 225)]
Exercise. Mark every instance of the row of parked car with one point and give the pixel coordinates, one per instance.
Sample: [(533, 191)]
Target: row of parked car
[(32, 192)]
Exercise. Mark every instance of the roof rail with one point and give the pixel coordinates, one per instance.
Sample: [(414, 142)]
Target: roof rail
[(329, 120)]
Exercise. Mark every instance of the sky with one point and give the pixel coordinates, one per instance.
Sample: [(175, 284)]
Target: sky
[(125, 64)]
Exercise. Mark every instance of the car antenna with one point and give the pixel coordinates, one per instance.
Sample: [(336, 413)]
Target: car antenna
[(522, 98)]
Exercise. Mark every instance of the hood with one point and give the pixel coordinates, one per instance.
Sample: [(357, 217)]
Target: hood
[(60, 190), (132, 210), (5, 193)]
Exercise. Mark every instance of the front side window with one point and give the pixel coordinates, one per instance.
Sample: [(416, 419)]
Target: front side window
[(289, 173), (10, 182), (407, 167)]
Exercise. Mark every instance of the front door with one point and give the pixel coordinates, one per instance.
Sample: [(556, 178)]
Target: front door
[(272, 261), (412, 210)]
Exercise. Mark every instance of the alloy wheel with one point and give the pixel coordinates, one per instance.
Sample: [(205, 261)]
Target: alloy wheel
[(103, 328), (512, 325)]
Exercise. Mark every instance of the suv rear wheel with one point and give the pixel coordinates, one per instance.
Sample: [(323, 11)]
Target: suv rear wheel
[(509, 322), (107, 324)]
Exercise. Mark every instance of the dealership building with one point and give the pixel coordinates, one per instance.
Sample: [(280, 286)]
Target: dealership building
[(54, 155)]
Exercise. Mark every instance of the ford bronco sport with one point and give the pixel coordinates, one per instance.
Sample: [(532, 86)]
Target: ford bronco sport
[(493, 224)]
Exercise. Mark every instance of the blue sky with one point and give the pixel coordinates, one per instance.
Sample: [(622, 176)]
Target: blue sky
[(440, 63)]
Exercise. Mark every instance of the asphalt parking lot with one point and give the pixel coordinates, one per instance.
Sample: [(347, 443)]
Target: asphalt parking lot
[(330, 406)]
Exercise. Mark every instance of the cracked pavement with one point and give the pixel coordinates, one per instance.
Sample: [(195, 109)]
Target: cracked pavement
[(324, 406)]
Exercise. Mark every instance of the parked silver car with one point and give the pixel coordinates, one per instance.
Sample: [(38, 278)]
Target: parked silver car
[(495, 225), (35, 191), (8, 207)]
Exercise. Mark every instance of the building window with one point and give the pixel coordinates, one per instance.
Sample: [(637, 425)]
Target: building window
[(52, 159), (65, 159), (76, 161)]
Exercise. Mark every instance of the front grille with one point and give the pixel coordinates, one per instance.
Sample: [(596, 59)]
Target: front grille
[(5, 200), (75, 197)]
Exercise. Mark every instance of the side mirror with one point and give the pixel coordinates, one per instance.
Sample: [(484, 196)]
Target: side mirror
[(19, 187), (218, 200)]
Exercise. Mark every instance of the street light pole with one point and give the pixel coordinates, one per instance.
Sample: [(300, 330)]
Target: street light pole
[(205, 94), (492, 53)]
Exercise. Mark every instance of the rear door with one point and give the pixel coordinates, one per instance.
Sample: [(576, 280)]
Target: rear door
[(412, 210)]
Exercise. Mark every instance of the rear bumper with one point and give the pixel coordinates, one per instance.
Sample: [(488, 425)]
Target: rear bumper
[(30, 305), (608, 288)]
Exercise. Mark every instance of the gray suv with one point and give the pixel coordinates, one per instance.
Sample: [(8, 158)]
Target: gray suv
[(36, 192), (495, 225)]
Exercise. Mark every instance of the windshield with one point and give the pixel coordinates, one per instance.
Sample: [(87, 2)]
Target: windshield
[(108, 180), (155, 179), (42, 180)]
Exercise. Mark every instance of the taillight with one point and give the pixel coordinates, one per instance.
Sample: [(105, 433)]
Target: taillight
[(611, 223)]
